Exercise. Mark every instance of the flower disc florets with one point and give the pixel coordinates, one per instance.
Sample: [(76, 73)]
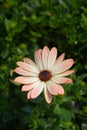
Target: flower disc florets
[(45, 75)]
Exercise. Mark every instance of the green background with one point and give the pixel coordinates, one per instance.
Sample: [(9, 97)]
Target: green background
[(26, 25)]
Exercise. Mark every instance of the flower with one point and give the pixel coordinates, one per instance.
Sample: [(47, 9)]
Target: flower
[(46, 74)]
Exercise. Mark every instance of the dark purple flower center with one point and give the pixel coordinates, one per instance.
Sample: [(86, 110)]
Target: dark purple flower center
[(45, 75)]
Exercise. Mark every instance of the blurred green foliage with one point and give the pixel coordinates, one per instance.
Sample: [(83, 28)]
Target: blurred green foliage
[(30, 24)]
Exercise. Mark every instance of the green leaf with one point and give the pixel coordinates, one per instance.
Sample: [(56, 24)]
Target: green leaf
[(27, 109), (35, 34), (64, 114), (84, 126), (5, 53)]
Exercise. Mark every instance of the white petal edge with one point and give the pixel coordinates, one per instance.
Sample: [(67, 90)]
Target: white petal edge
[(47, 95), (29, 95)]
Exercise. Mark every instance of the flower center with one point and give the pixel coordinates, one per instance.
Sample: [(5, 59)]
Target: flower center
[(45, 75)]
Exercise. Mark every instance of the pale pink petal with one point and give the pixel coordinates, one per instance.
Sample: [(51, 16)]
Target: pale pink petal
[(61, 80), (25, 80), (60, 89), (48, 96), (38, 59), (62, 66), (28, 87), (29, 61), (23, 72), (66, 73), (35, 92), (60, 58), (52, 57), (45, 54), (29, 94), (54, 88), (27, 67)]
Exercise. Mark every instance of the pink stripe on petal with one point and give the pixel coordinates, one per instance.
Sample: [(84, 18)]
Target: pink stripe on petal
[(61, 80), (37, 90), (63, 66), (54, 88), (28, 87), (23, 72), (52, 57), (66, 73), (60, 58), (48, 96), (61, 90), (25, 80), (45, 54), (29, 61), (38, 58), (27, 67)]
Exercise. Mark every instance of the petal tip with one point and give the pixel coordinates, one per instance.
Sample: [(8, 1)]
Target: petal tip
[(62, 93), (29, 95), (16, 80), (22, 89), (72, 61), (49, 102), (45, 47)]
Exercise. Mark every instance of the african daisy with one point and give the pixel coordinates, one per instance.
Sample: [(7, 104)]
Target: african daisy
[(46, 74)]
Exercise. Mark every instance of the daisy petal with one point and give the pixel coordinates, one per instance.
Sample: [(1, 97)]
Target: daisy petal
[(29, 61), (25, 80), (35, 92), (23, 72), (61, 80), (54, 88), (60, 58), (45, 54), (62, 66), (52, 57), (29, 95), (27, 67), (38, 58), (60, 89), (28, 87), (48, 96), (66, 73)]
